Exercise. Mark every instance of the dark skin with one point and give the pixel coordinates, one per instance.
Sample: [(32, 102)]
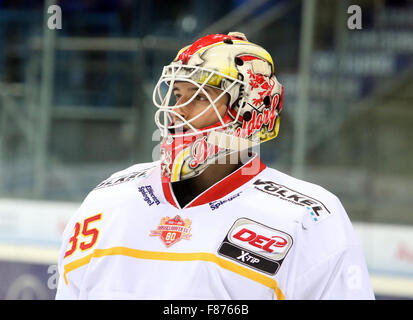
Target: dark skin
[(186, 190)]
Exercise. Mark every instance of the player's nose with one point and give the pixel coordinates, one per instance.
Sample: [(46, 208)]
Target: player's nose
[(183, 111), (180, 114)]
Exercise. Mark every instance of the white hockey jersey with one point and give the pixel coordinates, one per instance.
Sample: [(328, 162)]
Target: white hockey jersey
[(256, 234)]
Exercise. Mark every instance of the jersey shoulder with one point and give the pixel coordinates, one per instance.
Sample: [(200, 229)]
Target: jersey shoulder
[(303, 194), (137, 171), (107, 199), (322, 211), (117, 188), (299, 185), (324, 220)]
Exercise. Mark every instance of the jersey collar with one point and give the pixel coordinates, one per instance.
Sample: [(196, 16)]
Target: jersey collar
[(223, 187)]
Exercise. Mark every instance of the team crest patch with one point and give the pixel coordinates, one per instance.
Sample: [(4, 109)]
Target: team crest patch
[(171, 230)]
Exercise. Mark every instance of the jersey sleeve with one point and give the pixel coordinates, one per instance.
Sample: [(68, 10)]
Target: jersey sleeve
[(86, 228), (66, 290), (333, 262), (342, 276), (78, 241)]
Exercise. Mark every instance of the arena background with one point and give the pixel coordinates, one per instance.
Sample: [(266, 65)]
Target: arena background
[(76, 106)]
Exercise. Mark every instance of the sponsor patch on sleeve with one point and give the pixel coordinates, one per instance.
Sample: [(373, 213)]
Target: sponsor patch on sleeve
[(315, 208), (255, 245), (125, 178)]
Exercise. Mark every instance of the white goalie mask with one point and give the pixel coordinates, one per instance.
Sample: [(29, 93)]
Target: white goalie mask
[(239, 69)]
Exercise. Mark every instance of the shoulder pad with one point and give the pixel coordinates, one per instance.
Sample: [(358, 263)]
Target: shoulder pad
[(131, 173)]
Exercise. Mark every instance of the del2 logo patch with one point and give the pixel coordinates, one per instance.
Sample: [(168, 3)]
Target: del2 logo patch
[(258, 246)]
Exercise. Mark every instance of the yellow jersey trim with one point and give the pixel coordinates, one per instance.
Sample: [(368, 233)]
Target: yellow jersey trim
[(175, 256)]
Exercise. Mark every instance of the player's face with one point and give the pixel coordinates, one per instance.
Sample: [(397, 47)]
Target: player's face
[(184, 91)]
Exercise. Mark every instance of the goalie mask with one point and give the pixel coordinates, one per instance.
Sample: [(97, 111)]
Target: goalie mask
[(240, 70)]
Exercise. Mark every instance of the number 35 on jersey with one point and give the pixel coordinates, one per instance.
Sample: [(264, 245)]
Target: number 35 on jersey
[(85, 235)]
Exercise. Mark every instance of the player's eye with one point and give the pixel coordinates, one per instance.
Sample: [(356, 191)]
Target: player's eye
[(201, 97), (175, 98)]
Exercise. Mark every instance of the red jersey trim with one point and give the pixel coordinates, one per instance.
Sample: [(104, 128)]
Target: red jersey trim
[(223, 187), (169, 195)]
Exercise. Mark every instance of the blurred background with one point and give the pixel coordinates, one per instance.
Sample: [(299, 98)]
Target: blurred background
[(76, 106)]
